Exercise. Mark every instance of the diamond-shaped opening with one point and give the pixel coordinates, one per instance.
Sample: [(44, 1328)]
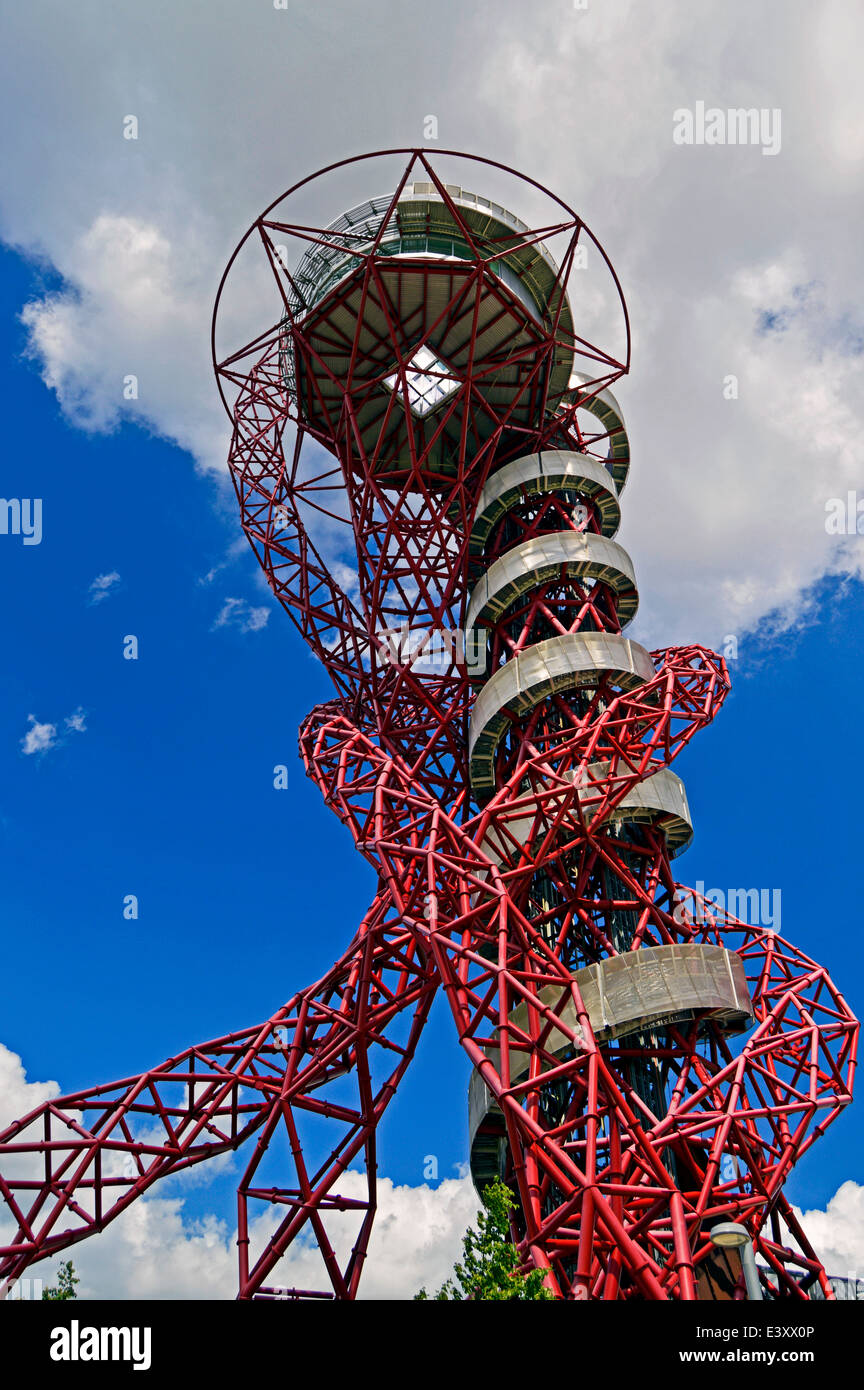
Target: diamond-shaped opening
[(427, 381)]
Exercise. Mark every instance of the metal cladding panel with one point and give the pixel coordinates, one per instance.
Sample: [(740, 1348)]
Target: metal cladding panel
[(640, 990), (486, 1133), (606, 409), (480, 1102), (552, 470), (560, 663), (540, 559), (662, 791), (660, 798), (659, 984), (495, 225)]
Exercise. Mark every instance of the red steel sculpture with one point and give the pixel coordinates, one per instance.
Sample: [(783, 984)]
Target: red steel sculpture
[(645, 1065)]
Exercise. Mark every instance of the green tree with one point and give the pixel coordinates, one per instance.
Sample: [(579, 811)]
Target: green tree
[(489, 1259), (65, 1286)]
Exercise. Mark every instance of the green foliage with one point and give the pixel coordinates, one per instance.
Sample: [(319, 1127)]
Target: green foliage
[(65, 1286), (489, 1260)]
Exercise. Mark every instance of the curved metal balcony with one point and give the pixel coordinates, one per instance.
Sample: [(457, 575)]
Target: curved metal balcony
[(573, 661), (534, 475), (580, 555), (606, 409)]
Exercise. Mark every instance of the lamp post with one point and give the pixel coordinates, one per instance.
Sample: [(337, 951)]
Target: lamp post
[(731, 1235)]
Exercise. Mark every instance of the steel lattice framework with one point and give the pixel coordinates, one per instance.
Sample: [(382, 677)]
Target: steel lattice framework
[(645, 1064)]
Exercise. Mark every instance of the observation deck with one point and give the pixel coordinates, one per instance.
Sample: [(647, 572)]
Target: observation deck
[(459, 293)]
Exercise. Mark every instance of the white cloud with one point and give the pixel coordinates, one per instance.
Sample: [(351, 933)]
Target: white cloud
[(18, 1096), (416, 1238), (157, 1250), (102, 585), (237, 548), (837, 1233), (108, 344), (39, 737), (236, 612)]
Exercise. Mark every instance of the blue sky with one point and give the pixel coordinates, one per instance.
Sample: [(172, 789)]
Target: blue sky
[(731, 263)]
